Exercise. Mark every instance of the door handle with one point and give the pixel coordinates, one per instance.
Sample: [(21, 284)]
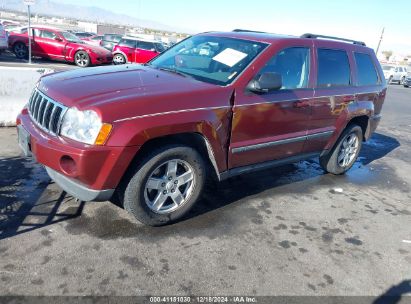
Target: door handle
[(301, 104)]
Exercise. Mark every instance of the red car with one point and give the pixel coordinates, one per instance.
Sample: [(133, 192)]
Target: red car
[(58, 45), (131, 49), (211, 107)]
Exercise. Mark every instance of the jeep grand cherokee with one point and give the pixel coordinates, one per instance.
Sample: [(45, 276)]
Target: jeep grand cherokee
[(213, 106)]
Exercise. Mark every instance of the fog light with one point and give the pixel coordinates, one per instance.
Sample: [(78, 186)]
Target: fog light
[(68, 165)]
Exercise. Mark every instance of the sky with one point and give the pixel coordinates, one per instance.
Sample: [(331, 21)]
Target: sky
[(356, 19)]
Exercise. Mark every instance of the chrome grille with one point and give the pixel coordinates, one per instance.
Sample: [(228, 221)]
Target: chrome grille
[(45, 112)]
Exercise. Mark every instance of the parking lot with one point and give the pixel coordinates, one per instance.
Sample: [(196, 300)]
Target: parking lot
[(8, 59), (291, 230)]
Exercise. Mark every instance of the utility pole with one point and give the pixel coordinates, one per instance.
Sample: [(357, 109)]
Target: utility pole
[(29, 3), (379, 43)]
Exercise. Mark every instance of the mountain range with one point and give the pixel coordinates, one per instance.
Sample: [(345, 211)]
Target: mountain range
[(84, 13)]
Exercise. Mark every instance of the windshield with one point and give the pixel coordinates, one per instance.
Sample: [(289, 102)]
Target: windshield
[(387, 67), (71, 37), (216, 60)]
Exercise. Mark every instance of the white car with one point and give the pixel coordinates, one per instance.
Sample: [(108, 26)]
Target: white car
[(3, 39), (395, 74)]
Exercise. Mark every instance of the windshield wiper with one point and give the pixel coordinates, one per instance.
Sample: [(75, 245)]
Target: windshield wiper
[(175, 71)]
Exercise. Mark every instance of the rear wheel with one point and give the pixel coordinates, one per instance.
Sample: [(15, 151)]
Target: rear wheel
[(82, 59), (165, 186), (345, 152), (20, 50), (119, 59)]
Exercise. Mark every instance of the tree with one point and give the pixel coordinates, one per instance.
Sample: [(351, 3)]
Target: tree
[(387, 54)]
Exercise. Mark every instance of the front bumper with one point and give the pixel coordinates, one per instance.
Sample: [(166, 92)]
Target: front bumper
[(84, 171), (79, 190)]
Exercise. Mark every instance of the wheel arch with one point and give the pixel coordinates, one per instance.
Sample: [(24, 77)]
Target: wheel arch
[(193, 140), (362, 121)]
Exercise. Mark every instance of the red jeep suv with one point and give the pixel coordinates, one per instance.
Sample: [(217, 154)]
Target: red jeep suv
[(131, 49), (58, 45), (213, 106)]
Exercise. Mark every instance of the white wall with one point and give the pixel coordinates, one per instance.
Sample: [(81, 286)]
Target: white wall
[(16, 85)]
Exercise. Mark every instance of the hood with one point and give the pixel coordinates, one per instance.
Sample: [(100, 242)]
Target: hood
[(94, 48), (117, 91)]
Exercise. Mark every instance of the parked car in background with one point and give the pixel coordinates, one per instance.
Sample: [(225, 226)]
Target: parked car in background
[(131, 49), (395, 73), (3, 39), (149, 136), (407, 81), (109, 41), (94, 40), (59, 45), (84, 35)]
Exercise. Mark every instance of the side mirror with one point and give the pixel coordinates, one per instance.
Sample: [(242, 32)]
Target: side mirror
[(266, 82)]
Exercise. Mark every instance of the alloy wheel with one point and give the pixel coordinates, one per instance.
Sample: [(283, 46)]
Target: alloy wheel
[(82, 59), (20, 50), (348, 150), (169, 186), (119, 59)]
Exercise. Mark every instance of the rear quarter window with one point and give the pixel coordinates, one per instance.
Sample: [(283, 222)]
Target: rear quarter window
[(333, 68), (367, 74)]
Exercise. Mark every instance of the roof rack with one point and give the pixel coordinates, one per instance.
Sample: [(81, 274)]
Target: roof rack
[(315, 36), (247, 31)]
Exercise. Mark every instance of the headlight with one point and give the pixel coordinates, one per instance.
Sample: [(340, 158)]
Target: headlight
[(85, 127)]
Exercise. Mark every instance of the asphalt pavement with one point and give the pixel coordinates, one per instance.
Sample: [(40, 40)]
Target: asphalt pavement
[(292, 230)]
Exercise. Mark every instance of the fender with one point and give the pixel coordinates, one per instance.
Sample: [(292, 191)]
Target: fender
[(213, 124), (355, 109)]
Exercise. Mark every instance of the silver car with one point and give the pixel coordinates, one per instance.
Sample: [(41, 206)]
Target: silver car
[(3, 39)]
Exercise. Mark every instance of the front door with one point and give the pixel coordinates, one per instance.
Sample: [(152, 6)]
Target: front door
[(271, 126), (50, 44)]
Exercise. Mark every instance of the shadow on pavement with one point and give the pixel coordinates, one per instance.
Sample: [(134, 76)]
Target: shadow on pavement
[(239, 187), (25, 203), (395, 293), (22, 185)]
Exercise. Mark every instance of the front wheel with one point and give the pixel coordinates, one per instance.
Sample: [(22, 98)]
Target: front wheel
[(402, 80), (165, 186), (345, 152), (119, 59), (82, 59)]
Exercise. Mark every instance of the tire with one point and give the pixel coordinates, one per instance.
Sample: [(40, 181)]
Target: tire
[(20, 50), (82, 59), (119, 59), (402, 81), (174, 196), (331, 162)]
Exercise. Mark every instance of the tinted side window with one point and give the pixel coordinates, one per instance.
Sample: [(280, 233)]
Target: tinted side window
[(333, 68), (366, 70), (145, 45), (127, 43), (293, 65), (47, 34)]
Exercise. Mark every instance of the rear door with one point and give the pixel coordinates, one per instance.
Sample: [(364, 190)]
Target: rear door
[(271, 126), (333, 93)]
